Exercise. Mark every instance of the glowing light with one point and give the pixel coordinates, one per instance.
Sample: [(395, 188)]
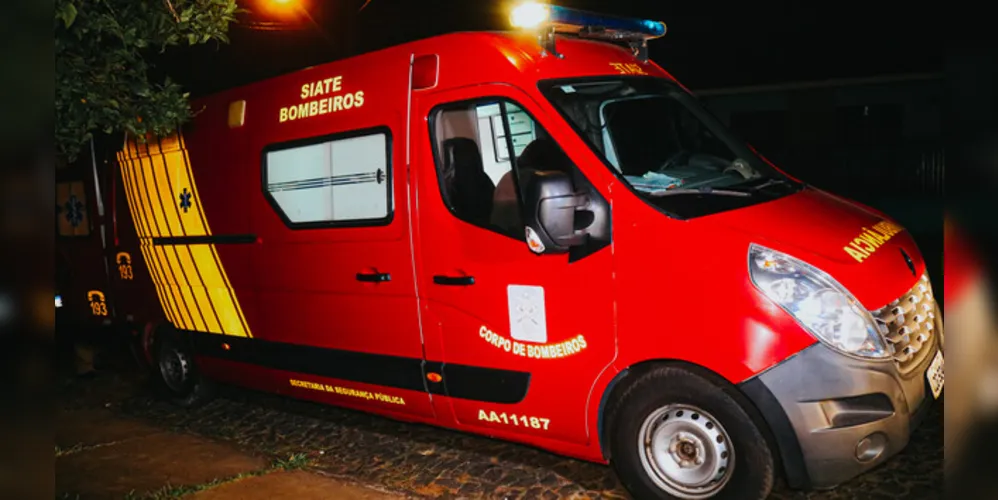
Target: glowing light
[(533, 15), (280, 10), (529, 15)]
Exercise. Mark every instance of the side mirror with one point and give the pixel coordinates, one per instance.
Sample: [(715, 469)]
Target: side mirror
[(557, 217)]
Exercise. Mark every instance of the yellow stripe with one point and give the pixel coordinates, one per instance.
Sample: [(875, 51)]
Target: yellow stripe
[(152, 230), (176, 271), (218, 288), (198, 292), (184, 288), (166, 194), (229, 306), (157, 264), (138, 219), (171, 205), (165, 298), (152, 264), (181, 317), (244, 330), (226, 305), (192, 274), (188, 316), (169, 308)]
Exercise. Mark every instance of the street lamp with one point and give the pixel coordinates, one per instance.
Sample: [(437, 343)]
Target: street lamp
[(277, 15)]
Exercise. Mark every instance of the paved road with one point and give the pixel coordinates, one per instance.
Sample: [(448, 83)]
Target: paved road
[(423, 461)]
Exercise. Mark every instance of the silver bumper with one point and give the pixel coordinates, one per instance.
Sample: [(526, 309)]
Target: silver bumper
[(840, 416)]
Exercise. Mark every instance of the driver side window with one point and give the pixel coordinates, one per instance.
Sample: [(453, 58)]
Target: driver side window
[(482, 149)]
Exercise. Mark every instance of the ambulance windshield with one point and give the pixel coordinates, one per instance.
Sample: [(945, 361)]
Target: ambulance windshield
[(666, 146)]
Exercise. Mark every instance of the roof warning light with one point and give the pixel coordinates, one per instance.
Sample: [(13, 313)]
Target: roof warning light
[(548, 20)]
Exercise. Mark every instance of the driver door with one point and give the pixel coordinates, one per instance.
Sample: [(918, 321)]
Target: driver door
[(522, 337)]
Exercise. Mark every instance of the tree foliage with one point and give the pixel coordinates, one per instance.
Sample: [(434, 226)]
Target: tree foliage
[(103, 50)]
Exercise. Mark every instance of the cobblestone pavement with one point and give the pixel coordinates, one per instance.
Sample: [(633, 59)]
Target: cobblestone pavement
[(436, 463)]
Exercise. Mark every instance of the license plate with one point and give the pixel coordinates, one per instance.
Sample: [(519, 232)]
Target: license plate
[(935, 375)]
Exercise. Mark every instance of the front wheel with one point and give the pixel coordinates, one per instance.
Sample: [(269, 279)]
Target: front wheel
[(676, 434)]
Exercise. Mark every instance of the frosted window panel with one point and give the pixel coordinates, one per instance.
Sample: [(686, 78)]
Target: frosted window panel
[(359, 155), (340, 180), (306, 162), (358, 165), (306, 205)]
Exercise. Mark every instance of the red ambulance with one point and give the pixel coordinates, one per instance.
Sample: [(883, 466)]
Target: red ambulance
[(539, 236)]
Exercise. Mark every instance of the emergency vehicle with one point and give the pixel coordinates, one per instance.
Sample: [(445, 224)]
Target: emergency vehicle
[(540, 236), (101, 290)]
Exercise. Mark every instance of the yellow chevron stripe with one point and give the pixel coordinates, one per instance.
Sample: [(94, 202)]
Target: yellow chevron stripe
[(140, 217), (233, 316), (192, 275), (160, 210), (193, 287), (173, 274)]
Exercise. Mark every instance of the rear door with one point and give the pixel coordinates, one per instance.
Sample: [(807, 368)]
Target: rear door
[(522, 337)]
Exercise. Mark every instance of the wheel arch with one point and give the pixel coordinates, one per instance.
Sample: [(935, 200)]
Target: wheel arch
[(786, 463)]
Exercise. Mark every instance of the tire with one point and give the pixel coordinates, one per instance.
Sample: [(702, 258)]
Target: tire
[(177, 376), (683, 460)]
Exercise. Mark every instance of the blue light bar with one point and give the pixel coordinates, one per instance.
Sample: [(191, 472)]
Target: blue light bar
[(547, 20), (582, 23)]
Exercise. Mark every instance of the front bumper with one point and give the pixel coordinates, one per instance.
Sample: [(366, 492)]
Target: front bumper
[(834, 417)]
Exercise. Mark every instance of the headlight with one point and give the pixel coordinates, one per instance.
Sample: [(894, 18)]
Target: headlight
[(822, 306)]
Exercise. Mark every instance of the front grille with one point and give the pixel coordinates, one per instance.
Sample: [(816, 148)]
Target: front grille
[(908, 324)]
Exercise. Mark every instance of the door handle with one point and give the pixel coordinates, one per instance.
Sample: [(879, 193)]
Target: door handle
[(454, 280), (374, 277)]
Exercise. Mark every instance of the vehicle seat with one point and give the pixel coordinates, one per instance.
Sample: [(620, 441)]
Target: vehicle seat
[(506, 208), (471, 189)]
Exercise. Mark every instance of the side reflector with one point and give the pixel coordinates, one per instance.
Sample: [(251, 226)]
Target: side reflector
[(434, 377), (237, 114), (424, 72)]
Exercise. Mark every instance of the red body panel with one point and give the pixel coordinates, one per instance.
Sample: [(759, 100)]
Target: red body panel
[(664, 289)]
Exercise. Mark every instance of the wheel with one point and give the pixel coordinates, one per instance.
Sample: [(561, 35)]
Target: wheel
[(676, 434), (177, 375)]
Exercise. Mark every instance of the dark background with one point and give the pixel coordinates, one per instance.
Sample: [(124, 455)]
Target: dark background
[(708, 44)]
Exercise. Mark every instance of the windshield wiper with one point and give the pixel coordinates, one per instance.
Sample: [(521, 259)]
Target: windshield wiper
[(700, 190), (772, 181)]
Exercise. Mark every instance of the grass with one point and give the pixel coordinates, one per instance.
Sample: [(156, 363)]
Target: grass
[(296, 461), (79, 447), (61, 452)]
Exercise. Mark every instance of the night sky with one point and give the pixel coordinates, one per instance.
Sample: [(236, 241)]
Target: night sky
[(708, 44)]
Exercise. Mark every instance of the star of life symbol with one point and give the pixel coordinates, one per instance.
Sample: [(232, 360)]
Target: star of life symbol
[(74, 210), (185, 200)]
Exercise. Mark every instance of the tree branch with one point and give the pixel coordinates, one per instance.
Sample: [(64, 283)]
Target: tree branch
[(172, 10)]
